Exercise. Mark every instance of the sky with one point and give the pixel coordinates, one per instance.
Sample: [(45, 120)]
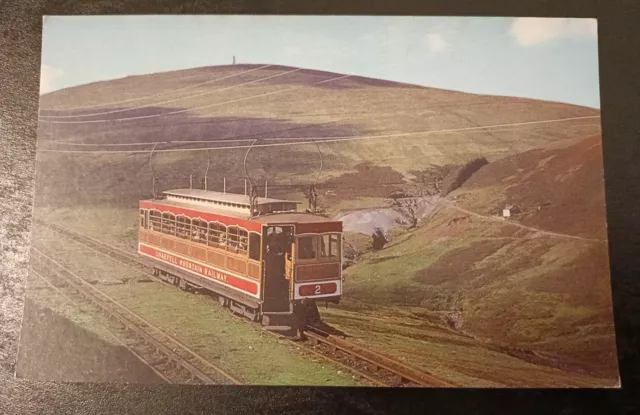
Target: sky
[(546, 58)]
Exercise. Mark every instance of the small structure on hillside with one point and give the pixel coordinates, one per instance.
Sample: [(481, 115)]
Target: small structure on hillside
[(234, 59), (509, 210)]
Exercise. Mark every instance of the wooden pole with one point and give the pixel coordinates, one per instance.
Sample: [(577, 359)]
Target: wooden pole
[(245, 187), (224, 185), (265, 189), (191, 181)]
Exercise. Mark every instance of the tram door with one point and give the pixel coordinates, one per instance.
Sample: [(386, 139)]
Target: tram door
[(278, 259)]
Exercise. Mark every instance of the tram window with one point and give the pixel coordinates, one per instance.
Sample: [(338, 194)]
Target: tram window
[(142, 218), (237, 240), (329, 245), (334, 244), (183, 227), (199, 231), (254, 246), (169, 223), (156, 220), (217, 234), (307, 247), (243, 241), (232, 240)]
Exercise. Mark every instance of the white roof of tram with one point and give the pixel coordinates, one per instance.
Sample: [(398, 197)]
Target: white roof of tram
[(213, 196)]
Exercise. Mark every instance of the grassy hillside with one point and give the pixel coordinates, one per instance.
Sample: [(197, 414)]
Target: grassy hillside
[(288, 104), (534, 288), (544, 296)]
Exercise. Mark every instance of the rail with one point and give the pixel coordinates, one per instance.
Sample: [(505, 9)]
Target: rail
[(173, 361), (403, 374)]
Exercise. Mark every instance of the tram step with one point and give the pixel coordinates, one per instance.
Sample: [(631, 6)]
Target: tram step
[(277, 319)]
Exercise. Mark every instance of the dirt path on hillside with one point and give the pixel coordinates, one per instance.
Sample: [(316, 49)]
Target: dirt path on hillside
[(452, 205)]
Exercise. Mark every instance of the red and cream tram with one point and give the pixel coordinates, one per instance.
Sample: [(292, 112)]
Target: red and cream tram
[(261, 257)]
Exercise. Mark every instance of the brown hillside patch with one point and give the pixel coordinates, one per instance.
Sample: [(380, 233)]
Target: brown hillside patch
[(368, 180), (560, 190)]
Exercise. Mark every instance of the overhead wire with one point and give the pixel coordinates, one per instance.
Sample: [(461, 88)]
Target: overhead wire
[(321, 163), (198, 108), (145, 97), (328, 139), (236, 138), (169, 101), (244, 162)]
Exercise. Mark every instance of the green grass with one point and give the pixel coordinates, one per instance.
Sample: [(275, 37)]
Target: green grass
[(240, 347), (88, 262), (90, 219), (427, 344)]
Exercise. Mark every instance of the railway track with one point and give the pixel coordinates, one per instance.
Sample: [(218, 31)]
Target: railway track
[(172, 360), (116, 337), (371, 367), (391, 372), (96, 245)]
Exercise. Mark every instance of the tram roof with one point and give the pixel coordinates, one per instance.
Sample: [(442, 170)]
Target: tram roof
[(291, 217), (213, 196)]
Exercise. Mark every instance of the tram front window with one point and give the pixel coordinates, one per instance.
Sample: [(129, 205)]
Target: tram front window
[(329, 245), (307, 247)]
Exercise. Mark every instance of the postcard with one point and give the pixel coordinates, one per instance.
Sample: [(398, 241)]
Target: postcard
[(320, 200)]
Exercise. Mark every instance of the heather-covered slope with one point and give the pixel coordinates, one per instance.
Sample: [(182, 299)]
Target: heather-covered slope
[(537, 284)]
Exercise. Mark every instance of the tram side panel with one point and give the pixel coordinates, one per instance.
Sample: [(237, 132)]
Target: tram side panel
[(197, 264)]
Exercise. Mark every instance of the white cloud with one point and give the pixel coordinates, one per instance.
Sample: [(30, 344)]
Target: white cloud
[(436, 42), (47, 76), (529, 31)]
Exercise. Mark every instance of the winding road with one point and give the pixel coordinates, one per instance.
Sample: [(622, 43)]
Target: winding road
[(452, 205)]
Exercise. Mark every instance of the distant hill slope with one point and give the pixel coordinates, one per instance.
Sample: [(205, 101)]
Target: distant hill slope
[(561, 190), (544, 297), (252, 101)]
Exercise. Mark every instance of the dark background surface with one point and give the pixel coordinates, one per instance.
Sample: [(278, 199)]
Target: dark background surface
[(619, 41)]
